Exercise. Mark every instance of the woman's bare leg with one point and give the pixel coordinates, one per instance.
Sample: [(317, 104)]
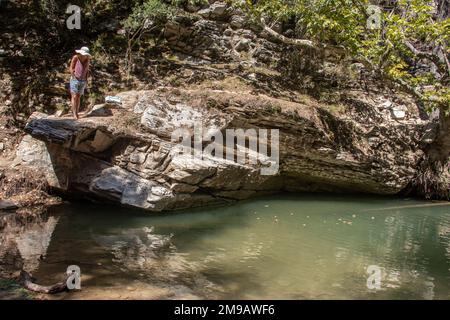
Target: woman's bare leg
[(73, 103), (77, 104)]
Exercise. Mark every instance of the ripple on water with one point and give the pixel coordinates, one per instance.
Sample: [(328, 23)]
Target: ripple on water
[(309, 247)]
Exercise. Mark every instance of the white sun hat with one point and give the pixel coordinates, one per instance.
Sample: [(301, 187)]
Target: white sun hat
[(83, 51)]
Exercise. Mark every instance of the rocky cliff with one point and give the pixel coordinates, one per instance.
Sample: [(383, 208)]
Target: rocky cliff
[(125, 153), (341, 129)]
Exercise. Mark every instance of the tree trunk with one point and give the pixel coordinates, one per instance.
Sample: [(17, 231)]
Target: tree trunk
[(440, 148), (433, 178), (27, 281)]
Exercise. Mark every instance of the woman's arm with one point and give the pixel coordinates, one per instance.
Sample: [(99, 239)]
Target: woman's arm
[(88, 67), (72, 65), (88, 72)]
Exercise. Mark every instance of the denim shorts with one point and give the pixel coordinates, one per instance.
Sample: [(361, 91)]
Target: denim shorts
[(77, 86)]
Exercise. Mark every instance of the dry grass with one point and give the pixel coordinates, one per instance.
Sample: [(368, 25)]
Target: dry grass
[(230, 83), (26, 187)]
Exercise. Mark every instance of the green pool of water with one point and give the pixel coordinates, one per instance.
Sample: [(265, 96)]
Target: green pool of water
[(282, 247)]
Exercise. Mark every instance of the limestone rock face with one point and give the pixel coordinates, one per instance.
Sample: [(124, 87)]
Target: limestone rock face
[(135, 156), (220, 34), (218, 11)]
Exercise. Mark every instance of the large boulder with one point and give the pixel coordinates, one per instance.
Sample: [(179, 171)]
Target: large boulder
[(133, 159), (216, 11)]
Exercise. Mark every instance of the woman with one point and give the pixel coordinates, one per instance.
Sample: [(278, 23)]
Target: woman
[(79, 68)]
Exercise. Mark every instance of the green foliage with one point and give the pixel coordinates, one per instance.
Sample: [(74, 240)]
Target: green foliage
[(181, 3), (108, 44), (344, 23), (144, 18), (150, 13), (320, 20), (14, 290), (272, 109)]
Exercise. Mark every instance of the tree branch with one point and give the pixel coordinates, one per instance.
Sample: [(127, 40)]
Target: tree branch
[(366, 62), (430, 56), (27, 281), (444, 54), (296, 42)]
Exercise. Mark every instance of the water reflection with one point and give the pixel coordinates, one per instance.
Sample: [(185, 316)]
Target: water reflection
[(306, 247), (141, 250), (23, 244)]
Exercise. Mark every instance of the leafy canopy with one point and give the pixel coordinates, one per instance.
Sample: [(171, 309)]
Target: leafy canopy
[(407, 36)]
